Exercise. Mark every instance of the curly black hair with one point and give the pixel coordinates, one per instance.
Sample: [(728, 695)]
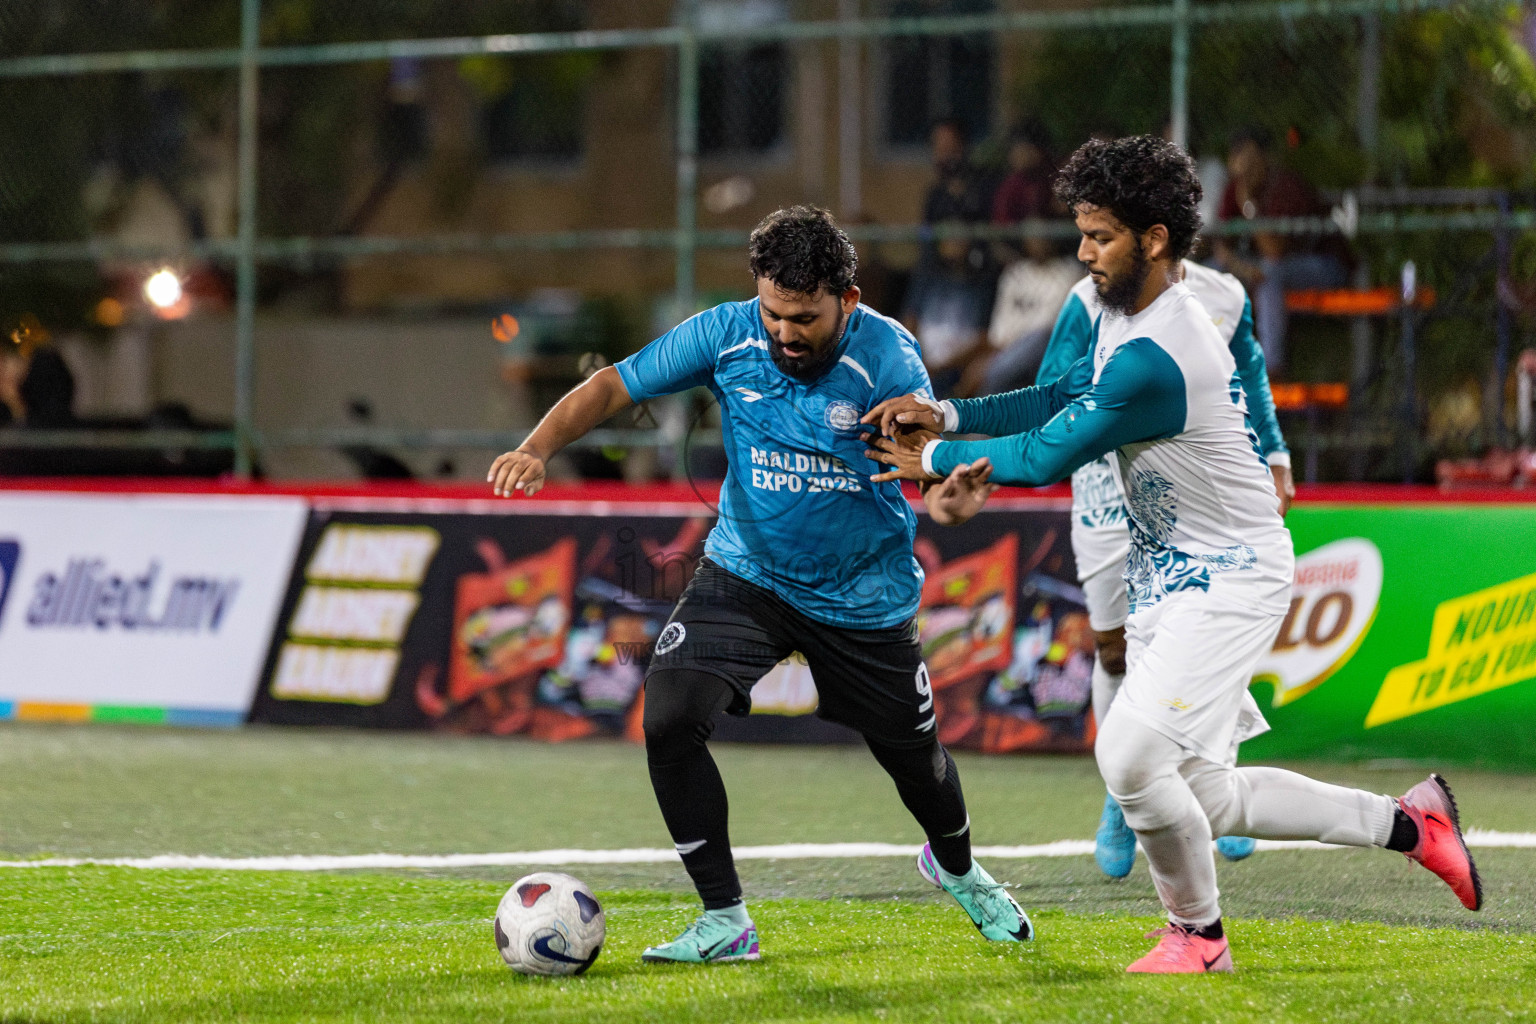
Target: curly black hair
[(1143, 180), (802, 250)]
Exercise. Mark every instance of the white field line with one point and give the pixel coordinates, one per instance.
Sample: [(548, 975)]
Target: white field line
[(536, 858)]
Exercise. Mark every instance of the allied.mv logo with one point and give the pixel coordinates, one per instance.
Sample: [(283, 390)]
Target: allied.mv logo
[(842, 416)]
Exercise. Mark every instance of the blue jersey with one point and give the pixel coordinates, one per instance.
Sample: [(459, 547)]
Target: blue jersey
[(798, 513)]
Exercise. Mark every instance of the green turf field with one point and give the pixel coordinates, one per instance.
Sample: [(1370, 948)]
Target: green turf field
[(1336, 935)]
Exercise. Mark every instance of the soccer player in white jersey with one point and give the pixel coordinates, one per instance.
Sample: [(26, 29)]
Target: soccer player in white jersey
[(1101, 541), (1210, 565)]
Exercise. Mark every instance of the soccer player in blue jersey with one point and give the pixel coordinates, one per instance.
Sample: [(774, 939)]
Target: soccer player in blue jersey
[(1101, 541), (1210, 566), (808, 555)]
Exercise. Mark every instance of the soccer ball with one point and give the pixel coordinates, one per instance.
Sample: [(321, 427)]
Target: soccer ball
[(549, 923)]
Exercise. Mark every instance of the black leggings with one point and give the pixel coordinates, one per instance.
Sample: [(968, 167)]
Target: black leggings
[(680, 710)]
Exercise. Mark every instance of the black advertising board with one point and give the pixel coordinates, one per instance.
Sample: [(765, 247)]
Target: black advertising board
[(540, 623)]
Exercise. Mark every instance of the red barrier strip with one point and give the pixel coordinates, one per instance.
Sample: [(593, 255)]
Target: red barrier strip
[(647, 494)]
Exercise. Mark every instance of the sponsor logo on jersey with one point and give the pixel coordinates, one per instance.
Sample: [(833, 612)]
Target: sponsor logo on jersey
[(842, 416), (1334, 597), (748, 395), (671, 638)]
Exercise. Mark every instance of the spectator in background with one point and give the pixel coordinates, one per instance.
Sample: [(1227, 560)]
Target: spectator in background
[(1025, 193), (950, 296), (1270, 264), (1030, 294), (37, 388)]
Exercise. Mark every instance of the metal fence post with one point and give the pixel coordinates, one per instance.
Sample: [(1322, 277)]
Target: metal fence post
[(687, 181), (1179, 85), (687, 155), (245, 262)]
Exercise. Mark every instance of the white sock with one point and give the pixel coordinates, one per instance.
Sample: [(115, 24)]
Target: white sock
[(1271, 803)]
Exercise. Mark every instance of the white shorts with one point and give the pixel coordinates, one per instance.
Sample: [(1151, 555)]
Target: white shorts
[(1109, 600), (1189, 659), (1100, 552)]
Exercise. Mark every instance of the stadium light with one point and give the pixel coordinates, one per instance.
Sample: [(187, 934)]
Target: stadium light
[(163, 289)]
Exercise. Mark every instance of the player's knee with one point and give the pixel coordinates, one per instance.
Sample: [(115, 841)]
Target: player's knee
[(1133, 774), (1221, 794), (1111, 648), (679, 713), (916, 765)]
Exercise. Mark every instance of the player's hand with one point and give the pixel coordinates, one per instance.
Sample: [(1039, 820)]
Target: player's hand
[(1285, 487), (909, 410), (516, 471), (905, 453), (961, 494)]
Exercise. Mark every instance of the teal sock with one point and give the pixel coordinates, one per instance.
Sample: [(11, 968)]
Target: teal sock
[(735, 915)]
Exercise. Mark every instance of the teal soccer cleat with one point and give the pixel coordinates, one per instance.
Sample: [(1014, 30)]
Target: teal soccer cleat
[(1114, 844), (709, 940), (1236, 847), (992, 910)]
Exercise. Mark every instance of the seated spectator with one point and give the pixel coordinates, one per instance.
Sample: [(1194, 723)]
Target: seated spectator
[(950, 295), (1029, 296), (1025, 193), (947, 309), (1270, 264), (37, 388)]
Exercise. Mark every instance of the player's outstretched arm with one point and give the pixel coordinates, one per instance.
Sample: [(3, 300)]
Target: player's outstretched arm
[(584, 407), (1139, 397), (959, 496)]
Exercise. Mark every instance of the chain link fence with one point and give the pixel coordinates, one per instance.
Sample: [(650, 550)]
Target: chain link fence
[(342, 238)]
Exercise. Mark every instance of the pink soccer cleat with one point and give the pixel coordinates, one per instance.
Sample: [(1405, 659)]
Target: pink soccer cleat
[(1441, 848), (1181, 951)]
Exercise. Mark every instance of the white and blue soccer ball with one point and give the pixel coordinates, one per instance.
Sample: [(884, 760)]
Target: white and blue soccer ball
[(549, 923)]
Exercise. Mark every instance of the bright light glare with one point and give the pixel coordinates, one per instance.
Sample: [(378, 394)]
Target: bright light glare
[(163, 289)]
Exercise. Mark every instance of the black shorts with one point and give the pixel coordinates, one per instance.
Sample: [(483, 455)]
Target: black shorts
[(871, 680)]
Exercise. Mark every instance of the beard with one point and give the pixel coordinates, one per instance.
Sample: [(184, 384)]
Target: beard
[(815, 362), (1119, 294)]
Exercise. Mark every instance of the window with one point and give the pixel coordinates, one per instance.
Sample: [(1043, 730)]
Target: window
[(928, 78), (742, 88)]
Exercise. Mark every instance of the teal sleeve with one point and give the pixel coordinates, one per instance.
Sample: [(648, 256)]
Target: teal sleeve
[(1139, 397), (1071, 340), (1014, 412), (1255, 377)]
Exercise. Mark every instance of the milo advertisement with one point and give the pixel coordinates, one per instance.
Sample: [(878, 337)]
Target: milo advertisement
[(1411, 634)]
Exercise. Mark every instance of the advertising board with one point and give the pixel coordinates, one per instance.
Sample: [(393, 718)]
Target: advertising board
[(139, 608), (540, 624)]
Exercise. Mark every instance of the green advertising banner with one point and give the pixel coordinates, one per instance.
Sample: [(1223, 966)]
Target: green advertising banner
[(1411, 634)]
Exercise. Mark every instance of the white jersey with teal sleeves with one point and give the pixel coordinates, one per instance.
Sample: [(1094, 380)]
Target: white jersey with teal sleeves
[(798, 513), (1158, 393), (1097, 504)]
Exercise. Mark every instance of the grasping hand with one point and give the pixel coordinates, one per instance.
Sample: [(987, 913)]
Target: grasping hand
[(961, 494), (905, 452), (907, 410)]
